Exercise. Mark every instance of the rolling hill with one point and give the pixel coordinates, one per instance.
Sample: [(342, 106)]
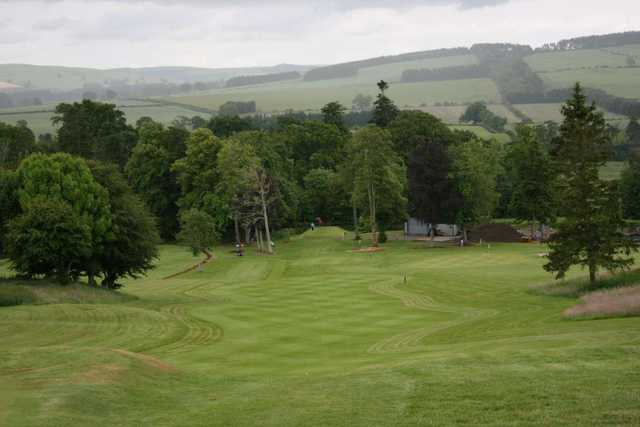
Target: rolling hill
[(442, 81)]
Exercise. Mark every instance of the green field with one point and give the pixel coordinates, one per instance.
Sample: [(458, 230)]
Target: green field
[(541, 113), (67, 78), (623, 82), (583, 58), (313, 95), (483, 133), (39, 118), (317, 335), (612, 170), (393, 72)]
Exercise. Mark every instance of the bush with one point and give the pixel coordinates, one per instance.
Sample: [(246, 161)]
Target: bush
[(11, 295), (382, 237)]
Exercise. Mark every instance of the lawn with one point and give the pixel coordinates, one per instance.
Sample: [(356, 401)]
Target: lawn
[(318, 335)]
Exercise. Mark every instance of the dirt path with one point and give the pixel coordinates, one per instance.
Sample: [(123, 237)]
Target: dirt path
[(208, 258)]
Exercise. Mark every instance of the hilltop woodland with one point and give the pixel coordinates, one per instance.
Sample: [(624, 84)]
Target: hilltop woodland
[(94, 200)]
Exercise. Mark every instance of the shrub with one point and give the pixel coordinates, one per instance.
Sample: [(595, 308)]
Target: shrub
[(382, 237)]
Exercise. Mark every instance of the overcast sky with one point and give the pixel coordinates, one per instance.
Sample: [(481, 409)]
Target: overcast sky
[(229, 33)]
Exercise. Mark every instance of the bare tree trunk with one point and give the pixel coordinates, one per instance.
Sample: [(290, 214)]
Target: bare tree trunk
[(266, 217), (531, 232), (237, 228), (258, 237), (372, 213), (247, 235), (356, 226), (593, 272)]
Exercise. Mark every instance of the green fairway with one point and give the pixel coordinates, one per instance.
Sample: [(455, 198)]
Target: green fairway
[(318, 335)]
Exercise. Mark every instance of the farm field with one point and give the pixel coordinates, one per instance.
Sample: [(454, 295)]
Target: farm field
[(541, 113), (39, 118), (318, 335), (483, 133), (583, 58), (622, 82), (393, 72), (612, 170), (313, 95)]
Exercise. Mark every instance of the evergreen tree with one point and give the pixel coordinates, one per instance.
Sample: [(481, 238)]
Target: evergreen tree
[(591, 234), (384, 111), (533, 197), (630, 188), (633, 131)]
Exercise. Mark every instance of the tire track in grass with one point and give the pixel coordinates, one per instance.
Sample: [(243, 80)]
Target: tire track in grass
[(413, 340)]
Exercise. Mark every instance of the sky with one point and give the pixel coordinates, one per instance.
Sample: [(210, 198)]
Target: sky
[(234, 33)]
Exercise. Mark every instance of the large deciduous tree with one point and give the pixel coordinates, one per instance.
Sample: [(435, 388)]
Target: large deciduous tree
[(333, 114), (476, 165), (94, 130), (198, 231), (16, 142), (380, 176), (150, 173), (64, 187), (199, 177), (131, 248), (591, 234), (237, 162)]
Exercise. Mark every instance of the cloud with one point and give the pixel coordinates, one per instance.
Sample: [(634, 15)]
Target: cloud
[(52, 24), (230, 33), (323, 4)]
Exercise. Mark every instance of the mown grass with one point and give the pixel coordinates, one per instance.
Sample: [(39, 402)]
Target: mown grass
[(319, 335)]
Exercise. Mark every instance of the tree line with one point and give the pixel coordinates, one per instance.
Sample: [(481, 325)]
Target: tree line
[(89, 202)]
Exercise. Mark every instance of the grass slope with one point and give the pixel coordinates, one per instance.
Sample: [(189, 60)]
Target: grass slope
[(318, 335), (314, 95), (622, 82), (583, 58), (39, 118)]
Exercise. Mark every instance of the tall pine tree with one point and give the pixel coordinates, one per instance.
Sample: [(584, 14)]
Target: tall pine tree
[(591, 234), (384, 111)]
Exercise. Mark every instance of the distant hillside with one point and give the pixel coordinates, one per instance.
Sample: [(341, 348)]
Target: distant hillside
[(69, 78), (518, 81)]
